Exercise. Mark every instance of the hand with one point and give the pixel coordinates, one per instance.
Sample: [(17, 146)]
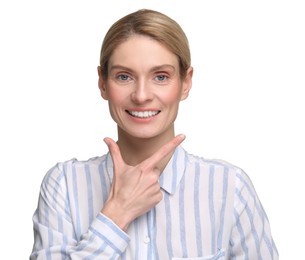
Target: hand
[(135, 189)]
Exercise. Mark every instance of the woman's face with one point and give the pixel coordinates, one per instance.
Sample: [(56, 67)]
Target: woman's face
[(144, 87)]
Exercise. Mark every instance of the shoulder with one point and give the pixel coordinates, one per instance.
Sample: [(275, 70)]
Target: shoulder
[(212, 163), (218, 167), (61, 170)]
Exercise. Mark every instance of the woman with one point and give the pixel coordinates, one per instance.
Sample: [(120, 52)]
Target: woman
[(148, 198)]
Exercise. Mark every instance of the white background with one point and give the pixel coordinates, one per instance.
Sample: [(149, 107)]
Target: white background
[(246, 106)]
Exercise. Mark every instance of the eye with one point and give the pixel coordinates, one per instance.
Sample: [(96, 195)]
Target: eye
[(161, 77), (123, 77)]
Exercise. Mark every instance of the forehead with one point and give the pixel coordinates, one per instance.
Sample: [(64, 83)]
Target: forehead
[(140, 51)]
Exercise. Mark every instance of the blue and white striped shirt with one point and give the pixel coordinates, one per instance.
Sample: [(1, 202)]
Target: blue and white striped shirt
[(209, 210)]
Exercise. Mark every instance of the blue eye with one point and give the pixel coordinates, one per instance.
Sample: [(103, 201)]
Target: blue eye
[(123, 77), (161, 77)]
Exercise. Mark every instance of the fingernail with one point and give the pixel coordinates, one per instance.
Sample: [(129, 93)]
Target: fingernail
[(106, 141)]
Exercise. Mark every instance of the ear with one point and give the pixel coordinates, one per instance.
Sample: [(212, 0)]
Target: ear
[(101, 83), (187, 83)]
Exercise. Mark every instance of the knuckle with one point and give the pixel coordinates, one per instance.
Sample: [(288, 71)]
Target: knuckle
[(165, 150), (153, 178), (159, 196), (143, 167)]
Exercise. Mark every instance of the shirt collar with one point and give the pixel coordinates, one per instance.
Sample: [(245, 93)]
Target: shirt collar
[(172, 174), (174, 171)]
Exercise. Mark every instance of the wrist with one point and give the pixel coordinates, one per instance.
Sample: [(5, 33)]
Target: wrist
[(114, 212)]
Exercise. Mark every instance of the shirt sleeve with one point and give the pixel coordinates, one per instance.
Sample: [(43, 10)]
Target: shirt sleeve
[(251, 235), (54, 230)]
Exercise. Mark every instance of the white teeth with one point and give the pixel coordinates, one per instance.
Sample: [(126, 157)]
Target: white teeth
[(143, 114)]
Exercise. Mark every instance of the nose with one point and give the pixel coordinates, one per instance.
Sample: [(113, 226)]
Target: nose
[(142, 92)]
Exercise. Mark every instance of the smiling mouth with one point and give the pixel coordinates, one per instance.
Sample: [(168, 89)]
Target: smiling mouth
[(143, 114)]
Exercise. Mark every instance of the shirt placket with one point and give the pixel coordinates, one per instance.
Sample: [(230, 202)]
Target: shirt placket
[(144, 238)]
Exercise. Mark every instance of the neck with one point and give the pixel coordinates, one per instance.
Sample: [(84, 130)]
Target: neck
[(135, 150)]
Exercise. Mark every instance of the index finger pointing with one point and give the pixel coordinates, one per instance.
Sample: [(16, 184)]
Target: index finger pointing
[(165, 150)]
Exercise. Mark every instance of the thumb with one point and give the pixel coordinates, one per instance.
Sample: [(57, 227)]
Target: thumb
[(114, 152)]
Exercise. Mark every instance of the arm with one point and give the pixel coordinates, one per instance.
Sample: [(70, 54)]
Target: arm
[(54, 230), (133, 192), (251, 236)]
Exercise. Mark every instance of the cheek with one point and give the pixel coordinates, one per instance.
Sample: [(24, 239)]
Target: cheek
[(115, 96), (171, 96)]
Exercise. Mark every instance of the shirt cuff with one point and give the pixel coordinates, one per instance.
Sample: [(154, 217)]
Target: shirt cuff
[(110, 233)]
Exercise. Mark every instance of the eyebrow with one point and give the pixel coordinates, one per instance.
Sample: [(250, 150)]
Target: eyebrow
[(155, 68)]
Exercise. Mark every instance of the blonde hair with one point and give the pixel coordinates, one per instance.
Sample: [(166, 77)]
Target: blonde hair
[(152, 24)]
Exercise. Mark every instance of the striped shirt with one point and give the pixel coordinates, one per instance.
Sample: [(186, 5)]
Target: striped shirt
[(209, 210)]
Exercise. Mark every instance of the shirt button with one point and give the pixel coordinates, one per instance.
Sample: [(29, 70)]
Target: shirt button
[(146, 240)]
